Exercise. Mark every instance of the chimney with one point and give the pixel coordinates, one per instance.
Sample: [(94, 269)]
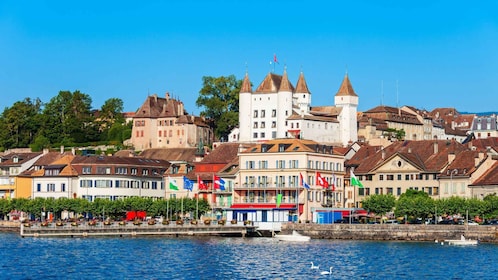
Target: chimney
[(167, 95), (45, 151), (62, 149), (73, 152), (383, 152), (436, 147), (409, 150)]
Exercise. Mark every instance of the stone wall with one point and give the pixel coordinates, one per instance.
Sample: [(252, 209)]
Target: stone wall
[(394, 231)]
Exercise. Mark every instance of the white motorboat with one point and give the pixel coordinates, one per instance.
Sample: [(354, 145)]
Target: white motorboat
[(462, 241), (295, 236)]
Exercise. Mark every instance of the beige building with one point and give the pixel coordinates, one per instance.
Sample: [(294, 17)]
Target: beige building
[(401, 166), (273, 169), (164, 123)]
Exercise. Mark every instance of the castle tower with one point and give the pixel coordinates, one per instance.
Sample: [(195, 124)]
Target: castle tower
[(284, 108), (245, 110), (302, 95), (347, 99)]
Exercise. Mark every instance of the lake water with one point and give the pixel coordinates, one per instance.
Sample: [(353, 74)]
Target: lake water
[(238, 258)]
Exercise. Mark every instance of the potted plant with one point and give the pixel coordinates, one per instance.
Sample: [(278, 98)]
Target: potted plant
[(179, 222), (207, 221), (166, 222), (92, 223), (151, 222), (222, 222), (247, 223), (122, 223), (233, 222), (193, 222), (137, 222)]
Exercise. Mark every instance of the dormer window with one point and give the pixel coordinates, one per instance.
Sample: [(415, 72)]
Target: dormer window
[(15, 159)]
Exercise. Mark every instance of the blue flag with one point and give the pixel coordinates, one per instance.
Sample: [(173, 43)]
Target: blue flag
[(188, 184)]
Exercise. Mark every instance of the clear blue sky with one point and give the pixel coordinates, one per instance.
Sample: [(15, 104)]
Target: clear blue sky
[(441, 53)]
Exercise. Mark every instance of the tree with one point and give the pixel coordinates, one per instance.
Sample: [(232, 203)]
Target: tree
[(219, 97), (67, 118), (379, 204), (20, 124), (414, 204)]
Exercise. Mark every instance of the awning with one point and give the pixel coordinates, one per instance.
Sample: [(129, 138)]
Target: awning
[(289, 206)]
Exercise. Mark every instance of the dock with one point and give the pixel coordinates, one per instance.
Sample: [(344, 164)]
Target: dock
[(135, 230)]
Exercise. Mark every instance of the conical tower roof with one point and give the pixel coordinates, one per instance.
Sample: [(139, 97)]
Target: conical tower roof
[(346, 88), (301, 86), (285, 85), (246, 84)]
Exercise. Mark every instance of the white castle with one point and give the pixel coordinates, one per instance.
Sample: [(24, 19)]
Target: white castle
[(277, 109)]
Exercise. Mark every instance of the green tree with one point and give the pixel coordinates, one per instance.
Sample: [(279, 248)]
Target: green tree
[(414, 204), (379, 204), (67, 118), (219, 97), (20, 123)]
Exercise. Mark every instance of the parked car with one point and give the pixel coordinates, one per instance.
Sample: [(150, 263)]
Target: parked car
[(446, 222)]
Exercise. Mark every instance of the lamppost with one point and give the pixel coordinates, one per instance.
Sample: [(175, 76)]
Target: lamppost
[(455, 171)]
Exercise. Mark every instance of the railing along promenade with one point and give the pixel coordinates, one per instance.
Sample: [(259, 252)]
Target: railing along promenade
[(132, 229)]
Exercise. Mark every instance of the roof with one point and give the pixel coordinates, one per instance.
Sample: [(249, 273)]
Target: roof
[(392, 114), (301, 86), (464, 164), (490, 177), (273, 82), (155, 107), (224, 153), (8, 159), (246, 84), (346, 89), (170, 154), (291, 145), (427, 155)]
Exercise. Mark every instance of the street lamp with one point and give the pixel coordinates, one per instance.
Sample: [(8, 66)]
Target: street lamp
[(454, 171)]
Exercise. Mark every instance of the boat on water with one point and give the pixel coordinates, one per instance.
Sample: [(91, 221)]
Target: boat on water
[(295, 236), (462, 241)]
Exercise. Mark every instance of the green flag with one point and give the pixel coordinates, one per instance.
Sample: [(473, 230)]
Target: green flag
[(279, 199), (172, 184), (354, 181)]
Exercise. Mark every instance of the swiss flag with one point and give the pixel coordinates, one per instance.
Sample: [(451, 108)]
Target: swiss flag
[(321, 181), (202, 186)]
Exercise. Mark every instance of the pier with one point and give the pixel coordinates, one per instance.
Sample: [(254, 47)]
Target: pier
[(134, 230)]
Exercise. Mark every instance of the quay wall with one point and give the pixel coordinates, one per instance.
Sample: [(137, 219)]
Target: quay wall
[(484, 233)]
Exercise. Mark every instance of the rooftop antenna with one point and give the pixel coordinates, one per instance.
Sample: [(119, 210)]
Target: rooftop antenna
[(397, 98), (382, 93)]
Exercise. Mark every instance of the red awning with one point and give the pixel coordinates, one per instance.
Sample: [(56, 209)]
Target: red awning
[(263, 206)]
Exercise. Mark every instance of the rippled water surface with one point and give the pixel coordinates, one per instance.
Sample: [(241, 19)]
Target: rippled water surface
[(238, 258)]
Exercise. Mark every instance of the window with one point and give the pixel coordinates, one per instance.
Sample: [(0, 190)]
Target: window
[(103, 170), (381, 177), (262, 113), (398, 191), (255, 135), (86, 183), (255, 113), (250, 164), (273, 113), (262, 135), (407, 177), (103, 183), (145, 172), (273, 134), (255, 125), (399, 177), (263, 125), (50, 187), (390, 177), (121, 170), (273, 124), (133, 171), (38, 187), (63, 187)]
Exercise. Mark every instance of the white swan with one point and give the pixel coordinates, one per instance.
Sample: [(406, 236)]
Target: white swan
[(314, 266), (326, 272)]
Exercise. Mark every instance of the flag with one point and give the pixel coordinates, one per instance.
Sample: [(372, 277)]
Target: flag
[(355, 181), (187, 184), (202, 186), (321, 181), (172, 184), (275, 58), (219, 183), (332, 187), (279, 199), (303, 183)]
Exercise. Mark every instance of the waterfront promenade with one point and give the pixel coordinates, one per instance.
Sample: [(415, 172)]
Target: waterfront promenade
[(406, 232)]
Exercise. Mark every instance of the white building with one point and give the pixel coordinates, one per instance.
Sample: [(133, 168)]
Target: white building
[(277, 109)]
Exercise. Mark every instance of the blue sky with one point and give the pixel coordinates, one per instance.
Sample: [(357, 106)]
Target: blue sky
[(439, 53)]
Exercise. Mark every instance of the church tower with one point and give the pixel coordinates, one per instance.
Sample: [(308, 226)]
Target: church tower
[(347, 99), (284, 108)]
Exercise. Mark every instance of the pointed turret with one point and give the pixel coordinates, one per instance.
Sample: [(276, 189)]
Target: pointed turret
[(285, 85), (246, 84), (301, 86), (346, 88)]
